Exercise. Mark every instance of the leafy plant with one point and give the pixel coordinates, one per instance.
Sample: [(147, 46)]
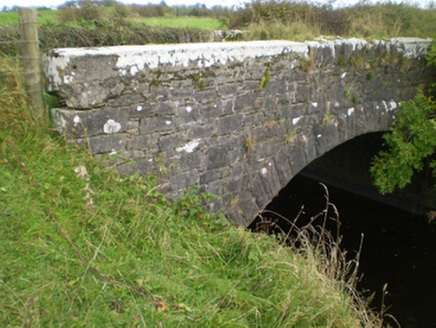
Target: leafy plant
[(411, 141), (190, 204)]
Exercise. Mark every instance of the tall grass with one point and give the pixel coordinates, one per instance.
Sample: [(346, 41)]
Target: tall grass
[(15, 113), (208, 24), (302, 20), (146, 261), (276, 30), (391, 20)]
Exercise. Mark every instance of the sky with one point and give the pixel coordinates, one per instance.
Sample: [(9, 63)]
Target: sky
[(209, 3)]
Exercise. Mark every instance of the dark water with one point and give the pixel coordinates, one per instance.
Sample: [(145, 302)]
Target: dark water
[(398, 249)]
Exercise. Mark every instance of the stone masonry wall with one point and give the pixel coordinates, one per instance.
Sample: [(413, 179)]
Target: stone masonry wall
[(239, 119)]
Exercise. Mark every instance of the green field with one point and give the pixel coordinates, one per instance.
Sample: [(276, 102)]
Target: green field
[(44, 16), (209, 24)]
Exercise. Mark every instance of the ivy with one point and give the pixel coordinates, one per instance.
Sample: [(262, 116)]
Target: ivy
[(411, 141)]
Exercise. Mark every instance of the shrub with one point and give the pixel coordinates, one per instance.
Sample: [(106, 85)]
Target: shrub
[(82, 10)]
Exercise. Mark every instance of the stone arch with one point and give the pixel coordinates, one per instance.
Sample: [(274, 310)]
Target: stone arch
[(238, 119), (278, 156)]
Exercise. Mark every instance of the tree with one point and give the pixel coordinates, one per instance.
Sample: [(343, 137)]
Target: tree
[(411, 141)]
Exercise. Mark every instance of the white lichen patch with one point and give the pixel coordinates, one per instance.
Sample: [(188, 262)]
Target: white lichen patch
[(111, 127), (76, 119), (68, 79), (135, 58), (350, 111), (189, 147), (204, 54), (296, 120), (134, 70), (409, 46), (52, 66), (58, 120)]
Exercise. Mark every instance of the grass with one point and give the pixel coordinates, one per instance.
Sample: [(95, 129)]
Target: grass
[(209, 24), (276, 30), (173, 263), (369, 22), (205, 23), (44, 16)]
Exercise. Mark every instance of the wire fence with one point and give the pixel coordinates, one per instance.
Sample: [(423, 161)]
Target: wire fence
[(30, 58)]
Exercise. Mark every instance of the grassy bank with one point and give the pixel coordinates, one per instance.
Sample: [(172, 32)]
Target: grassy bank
[(99, 250)]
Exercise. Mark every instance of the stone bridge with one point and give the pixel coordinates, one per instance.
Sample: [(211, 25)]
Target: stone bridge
[(239, 119)]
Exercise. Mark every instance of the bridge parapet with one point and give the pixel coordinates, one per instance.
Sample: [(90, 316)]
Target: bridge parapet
[(240, 118)]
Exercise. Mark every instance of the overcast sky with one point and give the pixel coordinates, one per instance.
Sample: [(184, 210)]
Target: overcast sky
[(209, 3)]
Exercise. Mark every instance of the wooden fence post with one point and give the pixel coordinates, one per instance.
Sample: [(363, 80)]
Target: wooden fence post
[(31, 58)]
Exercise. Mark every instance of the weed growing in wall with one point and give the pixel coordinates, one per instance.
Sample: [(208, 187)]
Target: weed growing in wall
[(266, 79), (341, 61), (370, 75), (307, 64), (355, 99)]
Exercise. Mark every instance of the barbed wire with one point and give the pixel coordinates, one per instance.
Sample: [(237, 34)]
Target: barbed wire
[(18, 73), (21, 57), (24, 57), (28, 23), (20, 41)]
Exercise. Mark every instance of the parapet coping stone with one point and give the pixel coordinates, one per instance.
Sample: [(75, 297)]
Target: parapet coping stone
[(132, 59), (125, 61)]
